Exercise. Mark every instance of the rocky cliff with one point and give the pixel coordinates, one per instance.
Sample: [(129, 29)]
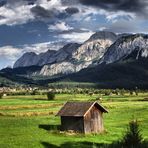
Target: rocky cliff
[(101, 47), (71, 58), (124, 46), (31, 59), (82, 57)]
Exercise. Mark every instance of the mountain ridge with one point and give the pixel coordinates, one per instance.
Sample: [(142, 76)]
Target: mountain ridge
[(121, 61), (73, 56), (126, 45)]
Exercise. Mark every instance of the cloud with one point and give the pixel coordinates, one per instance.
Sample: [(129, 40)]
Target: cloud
[(15, 15), (76, 37), (19, 12), (31, 2), (9, 52), (72, 10), (51, 11), (135, 6), (121, 15), (102, 28), (49, 15), (2, 3), (70, 2), (43, 47), (41, 12), (88, 18), (15, 12), (8, 55), (60, 26), (124, 26)]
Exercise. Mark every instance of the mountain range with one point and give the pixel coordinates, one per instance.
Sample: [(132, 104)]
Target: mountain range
[(106, 58), (71, 58)]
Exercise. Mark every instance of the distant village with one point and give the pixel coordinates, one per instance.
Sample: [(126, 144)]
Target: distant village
[(28, 90)]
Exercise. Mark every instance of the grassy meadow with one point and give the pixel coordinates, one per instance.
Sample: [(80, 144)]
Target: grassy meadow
[(30, 121)]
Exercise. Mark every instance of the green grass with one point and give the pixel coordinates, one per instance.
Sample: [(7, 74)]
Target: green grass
[(35, 130)]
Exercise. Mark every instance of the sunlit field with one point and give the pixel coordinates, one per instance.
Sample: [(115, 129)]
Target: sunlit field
[(30, 121)]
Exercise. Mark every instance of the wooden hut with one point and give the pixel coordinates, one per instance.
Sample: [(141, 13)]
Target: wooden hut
[(84, 117)]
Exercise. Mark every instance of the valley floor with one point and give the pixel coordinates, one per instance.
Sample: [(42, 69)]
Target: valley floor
[(27, 121)]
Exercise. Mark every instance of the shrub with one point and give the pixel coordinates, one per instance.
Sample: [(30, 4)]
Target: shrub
[(132, 138), (131, 93), (34, 92), (107, 93), (1, 95), (136, 92), (50, 95)]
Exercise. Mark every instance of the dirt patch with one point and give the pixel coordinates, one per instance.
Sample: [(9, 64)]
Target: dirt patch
[(27, 114), (28, 106), (144, 99), (1, 114)]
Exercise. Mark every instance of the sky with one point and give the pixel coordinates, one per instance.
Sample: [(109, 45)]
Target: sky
[(40, 25)]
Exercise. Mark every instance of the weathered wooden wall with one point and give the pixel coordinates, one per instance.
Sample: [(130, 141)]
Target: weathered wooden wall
[(93, 121), (72, 123), (89, 122)]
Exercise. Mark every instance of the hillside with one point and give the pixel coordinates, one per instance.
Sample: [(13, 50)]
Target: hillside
[(10, 79), (5, 82), (125, 74)]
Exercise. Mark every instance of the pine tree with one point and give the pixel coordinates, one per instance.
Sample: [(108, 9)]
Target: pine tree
[(133, 137)]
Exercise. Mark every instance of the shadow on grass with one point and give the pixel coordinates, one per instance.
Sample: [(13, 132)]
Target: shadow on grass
[(91, 145), (80, 145), (131, 139), (41, 99), (50, 127), (48, 145)]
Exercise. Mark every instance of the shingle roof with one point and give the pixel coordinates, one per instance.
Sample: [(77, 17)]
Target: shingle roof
[(78, 109)]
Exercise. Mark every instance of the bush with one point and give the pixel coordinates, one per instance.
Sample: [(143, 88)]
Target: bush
[(131, 93), (132, 138), (50, 95), (1, 95), (34, 92)]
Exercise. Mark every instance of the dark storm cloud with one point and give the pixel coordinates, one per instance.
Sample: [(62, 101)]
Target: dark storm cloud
[(72, 10), (31, 2), (137, 6), (50, 15), (1, 17), (69, 2), (16, 1), (39, 11), (2, 3)]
